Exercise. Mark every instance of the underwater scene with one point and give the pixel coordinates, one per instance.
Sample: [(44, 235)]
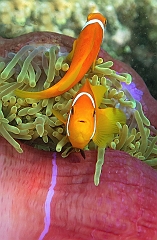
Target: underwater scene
[(78, 115)]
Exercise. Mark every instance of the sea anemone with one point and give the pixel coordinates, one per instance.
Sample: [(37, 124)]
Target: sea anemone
[(57, 196), (44, 196), (34, 68)]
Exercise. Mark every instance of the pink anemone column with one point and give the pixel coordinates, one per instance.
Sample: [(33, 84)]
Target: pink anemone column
[(43, 196)]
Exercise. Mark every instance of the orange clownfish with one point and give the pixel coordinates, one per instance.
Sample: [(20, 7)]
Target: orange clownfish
[(84, 53), (87, 122)]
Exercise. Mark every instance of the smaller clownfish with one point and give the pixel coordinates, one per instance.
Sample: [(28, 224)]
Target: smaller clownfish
[(87, 122), (83, 55)]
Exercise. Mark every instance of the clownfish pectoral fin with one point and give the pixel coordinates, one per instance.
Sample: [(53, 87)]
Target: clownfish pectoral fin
[(106, 125), (59, 116), (71, 54), (98, 92), (103, 139)]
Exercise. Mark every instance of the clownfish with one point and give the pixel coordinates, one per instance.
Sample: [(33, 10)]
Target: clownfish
[(84, 53), (87, 122)]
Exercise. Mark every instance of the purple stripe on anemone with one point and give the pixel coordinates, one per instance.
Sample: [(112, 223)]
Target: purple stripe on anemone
[(49, 197)]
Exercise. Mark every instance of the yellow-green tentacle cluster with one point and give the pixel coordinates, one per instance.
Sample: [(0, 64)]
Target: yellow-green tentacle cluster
[(38, 68)]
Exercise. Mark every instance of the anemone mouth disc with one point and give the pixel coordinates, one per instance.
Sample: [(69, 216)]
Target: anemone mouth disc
[(34, 68)]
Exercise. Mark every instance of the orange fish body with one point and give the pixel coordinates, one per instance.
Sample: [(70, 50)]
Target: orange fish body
[(81, 121), (86, 121), (84, 53)]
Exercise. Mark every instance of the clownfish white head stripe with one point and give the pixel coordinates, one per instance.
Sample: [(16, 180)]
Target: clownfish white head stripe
[(94, 129), (92, 21), (81, 94)]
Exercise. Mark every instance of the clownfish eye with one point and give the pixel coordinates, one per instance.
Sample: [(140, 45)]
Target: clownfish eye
[(105, 22)]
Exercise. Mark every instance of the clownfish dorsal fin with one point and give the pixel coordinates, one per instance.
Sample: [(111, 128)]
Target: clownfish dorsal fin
[(98, 92)]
